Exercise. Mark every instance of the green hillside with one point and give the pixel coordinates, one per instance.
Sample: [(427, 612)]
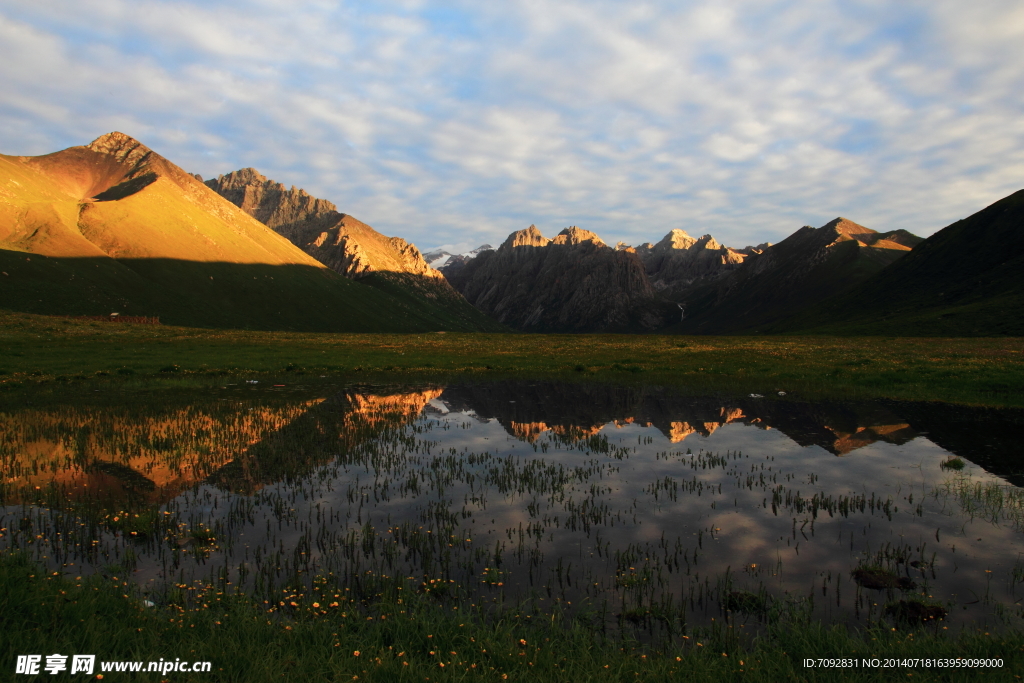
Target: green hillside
[(965, 280), (445, 306), (216, 295)]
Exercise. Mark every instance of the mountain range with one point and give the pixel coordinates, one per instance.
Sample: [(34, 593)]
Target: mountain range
[(575, 282), (114, 226), (841, 278)]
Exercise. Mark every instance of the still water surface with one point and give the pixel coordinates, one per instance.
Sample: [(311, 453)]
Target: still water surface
[(627, 502)]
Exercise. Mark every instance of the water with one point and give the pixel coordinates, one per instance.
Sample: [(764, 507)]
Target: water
[(643, 508)]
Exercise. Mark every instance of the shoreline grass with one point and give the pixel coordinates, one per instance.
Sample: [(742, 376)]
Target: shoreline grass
[(975, 371), (417, 639)]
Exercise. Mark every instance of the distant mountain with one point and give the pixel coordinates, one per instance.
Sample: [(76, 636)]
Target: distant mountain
[(445, 261), (805, 269), (458, 261), (113, 226), (572, 283), (965, 280), (436, 258), (678, 261), (349, 246)]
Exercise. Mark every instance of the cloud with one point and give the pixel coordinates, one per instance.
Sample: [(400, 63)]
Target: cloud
[(459, 122)]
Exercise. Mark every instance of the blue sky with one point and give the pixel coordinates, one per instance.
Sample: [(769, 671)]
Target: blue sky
[(455, 123)]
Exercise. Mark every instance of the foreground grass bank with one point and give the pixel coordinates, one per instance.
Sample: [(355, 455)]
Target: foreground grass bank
[(415, 639), (980, 371)]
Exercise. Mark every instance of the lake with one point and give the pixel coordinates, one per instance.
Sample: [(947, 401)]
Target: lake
[(639, 507)]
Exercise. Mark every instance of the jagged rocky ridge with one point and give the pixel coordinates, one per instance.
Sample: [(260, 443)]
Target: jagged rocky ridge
[(572, 283), (679, 260), (341, 242)]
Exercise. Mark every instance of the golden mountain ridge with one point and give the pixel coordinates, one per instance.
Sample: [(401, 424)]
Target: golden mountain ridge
[(117, 198)]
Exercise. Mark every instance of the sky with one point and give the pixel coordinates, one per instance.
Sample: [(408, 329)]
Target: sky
[(451, 124)]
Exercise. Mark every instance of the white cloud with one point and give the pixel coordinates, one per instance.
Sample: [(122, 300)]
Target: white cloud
[(460, 122)]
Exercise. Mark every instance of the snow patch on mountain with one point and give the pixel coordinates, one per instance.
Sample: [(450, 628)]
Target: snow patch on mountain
[(440, 257)]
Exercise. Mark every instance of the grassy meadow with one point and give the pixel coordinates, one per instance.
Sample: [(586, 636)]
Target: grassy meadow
[(404, 635), (394, 630), (977, 371)]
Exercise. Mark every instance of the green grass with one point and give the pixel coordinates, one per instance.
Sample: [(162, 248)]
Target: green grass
[(978, 371), (249, 640), (401, 635), (224, 295)]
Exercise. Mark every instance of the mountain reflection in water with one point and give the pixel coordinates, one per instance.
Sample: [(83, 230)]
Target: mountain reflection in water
[(528, 409), (126, 454), (630, 496)]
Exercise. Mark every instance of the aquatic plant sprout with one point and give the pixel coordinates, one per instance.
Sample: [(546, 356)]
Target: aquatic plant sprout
[(995, 502)]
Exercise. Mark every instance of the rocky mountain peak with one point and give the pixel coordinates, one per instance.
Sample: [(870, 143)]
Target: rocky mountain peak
[(574, 235), (130, 159), (676, 239), (339, 241), (270, 202), (573, 282), (530, 237), (241, 178), (843, 226), (124, 148), (752, 251), (707, 242)]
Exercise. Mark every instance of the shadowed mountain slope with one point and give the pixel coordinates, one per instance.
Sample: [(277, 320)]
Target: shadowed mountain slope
[(572, 283), (965, 280), (350, 247), (807, 267), (113, 226)]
